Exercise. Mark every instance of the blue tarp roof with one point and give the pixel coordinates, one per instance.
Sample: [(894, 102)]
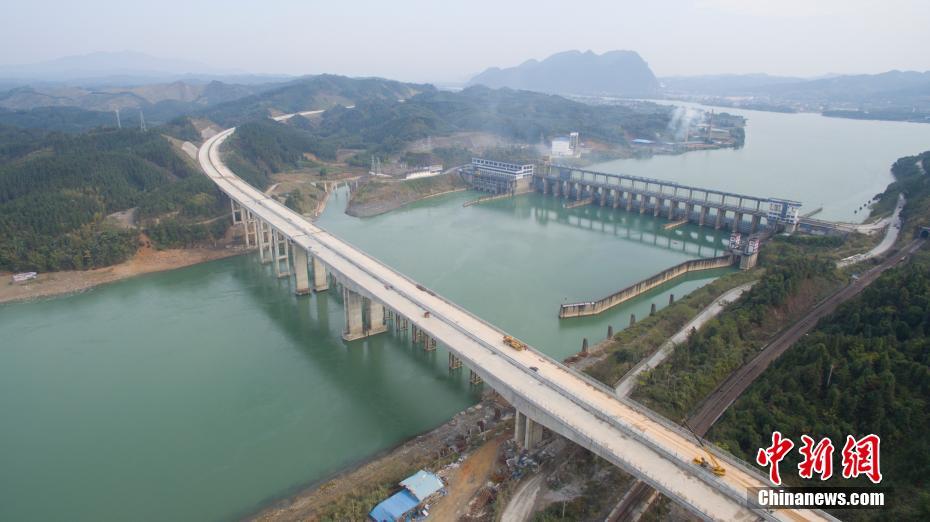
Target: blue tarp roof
[(394, 508), (422, 484)]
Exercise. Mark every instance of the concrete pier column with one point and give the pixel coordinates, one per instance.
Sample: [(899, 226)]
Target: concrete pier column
[(737, 219), (454, 362), (264, 242), (534, 434), (718, 221), (755, 224), (300, 269), (249, 234), (375, 314), (615, 197), (236, 211), (658, 208), (689, 210), (279, 254), (519, 428), (702, 215), (320, 281), (672, 206), (629, 201), (643, 200), (603, 192), (354, 328)]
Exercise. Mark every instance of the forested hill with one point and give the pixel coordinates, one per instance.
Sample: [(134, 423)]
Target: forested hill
[(383, 126), (865, 369), (314, 92), (56, 191)]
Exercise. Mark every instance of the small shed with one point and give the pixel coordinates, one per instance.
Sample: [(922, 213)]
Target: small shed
[(403, 505), (396, 507), (423, 484)]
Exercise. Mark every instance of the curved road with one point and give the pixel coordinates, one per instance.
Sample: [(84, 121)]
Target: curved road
[(566, 402)]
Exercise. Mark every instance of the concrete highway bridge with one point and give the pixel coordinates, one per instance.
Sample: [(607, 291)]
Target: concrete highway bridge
[(545, 393), (667, 199)]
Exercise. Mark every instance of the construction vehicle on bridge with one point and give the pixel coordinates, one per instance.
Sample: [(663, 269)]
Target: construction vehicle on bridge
[(713, 464), (514, 343)]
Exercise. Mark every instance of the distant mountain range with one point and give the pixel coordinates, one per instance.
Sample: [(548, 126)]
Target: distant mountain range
[(120, 68), (622, 73), (902, 89)]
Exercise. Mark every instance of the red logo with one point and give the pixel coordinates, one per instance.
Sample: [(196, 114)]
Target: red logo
[(860, 457), (817, 458), (774, 454)]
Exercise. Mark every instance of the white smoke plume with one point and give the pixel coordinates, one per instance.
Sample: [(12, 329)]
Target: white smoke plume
[(682, 120)]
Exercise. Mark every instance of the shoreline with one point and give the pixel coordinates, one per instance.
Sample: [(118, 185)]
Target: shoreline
[(146, 261), (306, 502)]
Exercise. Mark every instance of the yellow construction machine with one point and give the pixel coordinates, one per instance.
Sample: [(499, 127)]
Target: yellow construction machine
[(514, 343), (710, 462)]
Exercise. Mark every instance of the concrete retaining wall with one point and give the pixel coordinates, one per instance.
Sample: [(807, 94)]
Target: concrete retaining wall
[(596, 307)]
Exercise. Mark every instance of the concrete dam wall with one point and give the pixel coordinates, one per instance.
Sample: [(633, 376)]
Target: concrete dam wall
[(596, 307)]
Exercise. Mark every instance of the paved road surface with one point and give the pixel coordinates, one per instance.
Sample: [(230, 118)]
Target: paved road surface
[(891, 235), (573, 405), (628, 382)]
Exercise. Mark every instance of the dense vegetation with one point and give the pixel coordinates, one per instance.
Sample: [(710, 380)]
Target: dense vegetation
[(322, 91), (795, 277), (56, 191), (911, 180), (865, 369), (263, 147), (383, 126), (62, 119)]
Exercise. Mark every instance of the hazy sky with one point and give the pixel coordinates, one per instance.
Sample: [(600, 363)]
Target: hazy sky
[(450, 40)]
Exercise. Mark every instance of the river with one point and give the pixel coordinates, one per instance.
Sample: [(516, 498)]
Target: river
[(835, 163), (204, 393)]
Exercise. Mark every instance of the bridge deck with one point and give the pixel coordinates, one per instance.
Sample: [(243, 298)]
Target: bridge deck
[(553, 395)]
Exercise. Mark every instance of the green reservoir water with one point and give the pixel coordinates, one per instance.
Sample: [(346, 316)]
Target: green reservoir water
[(206, 392), (834, 163), (202, 393)]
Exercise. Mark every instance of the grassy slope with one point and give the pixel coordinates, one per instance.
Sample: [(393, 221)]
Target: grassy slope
[(378, 197)]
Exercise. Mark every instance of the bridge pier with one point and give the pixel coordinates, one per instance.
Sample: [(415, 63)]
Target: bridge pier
[(672, 207), (251, 234), (265, 252), (355, 326), (718, 221), (454, 362), (603, 193), (629, 201), (320, 281), (376, 322), (737, 219), (236, 211), (527, 433), (702, 215), (643, 200), (754, 227), (300, 270), (657, 208), (280, 259)]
